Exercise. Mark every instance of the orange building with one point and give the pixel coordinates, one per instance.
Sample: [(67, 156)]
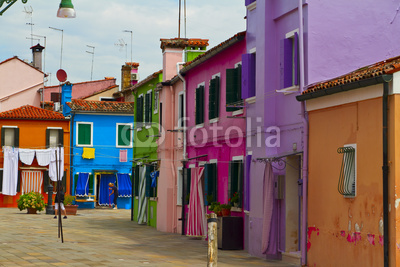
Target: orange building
[(353, 188), (33, 132)]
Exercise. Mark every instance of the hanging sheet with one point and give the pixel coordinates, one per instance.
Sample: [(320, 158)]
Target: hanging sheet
[(82, 185), (26, 156), (142, 210), (268, 236), (196, 225), (10, 171), (153, 177), (43, 156), (88, 153), (56, 165), (32, 181), (124, 185), (104, 190)]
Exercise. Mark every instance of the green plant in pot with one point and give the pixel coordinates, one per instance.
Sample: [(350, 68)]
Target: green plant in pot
[(31, 200), (226, 209), (68, 199)]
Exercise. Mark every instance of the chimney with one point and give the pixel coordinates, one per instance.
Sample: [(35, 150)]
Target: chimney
[(37, 56), (125, 76)]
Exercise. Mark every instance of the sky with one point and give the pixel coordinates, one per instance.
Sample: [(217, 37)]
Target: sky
[(101, 24)]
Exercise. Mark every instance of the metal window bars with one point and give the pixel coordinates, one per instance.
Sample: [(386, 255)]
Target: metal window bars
[(346, 185)]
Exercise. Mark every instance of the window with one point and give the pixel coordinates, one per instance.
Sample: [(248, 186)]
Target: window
[(213, 98), (156, 100), (348, 171), (151, 190), (54, 137), (186, 184), (289, 60), (161, 118), (210, 183), (236, 180), (10, 136), (55, 97), (200, 104), (124, 134), (84, 134), (107, 99), (180, 187), (233, 88), (248, 75), (148, 106), (139, 109), (181, 111)]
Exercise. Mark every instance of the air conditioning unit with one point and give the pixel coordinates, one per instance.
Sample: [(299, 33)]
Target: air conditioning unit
[(134, 76)]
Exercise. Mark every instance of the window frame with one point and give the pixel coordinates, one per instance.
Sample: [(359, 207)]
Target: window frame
[(60, 136), (290, 63), (181, 110), (239, 160), (77, 134), (213, 114), (199, 104), (15, 135), (139, 111), (230, 92), (148, 110), (117, 135), (156, 101)]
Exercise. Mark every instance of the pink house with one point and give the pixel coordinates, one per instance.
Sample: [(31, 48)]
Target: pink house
[(20, 84), (215, 133)]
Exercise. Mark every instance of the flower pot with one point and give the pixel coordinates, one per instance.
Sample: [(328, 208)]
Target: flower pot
[(32, 211), (71, 209), (226, 212)]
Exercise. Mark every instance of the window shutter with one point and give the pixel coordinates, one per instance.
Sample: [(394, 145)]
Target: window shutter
[(286, 62), (248, 75), (3, 131), (84, 134), (47, 138), (148, 182), (146, 108), (296, 59), (150, 106), (139, 109), (240, 182), (75, 183), (136, 181), (232, 88), (64, 182), (213, 99), (200, 105), (16, 137), (61, 137), (19, 181), (45, 181), (1, 180), (91, 184), (186, 185)]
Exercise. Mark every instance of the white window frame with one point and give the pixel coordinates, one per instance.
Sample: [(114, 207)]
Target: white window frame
[(77, 133), (54, 128), (9, 127), (116, 137)]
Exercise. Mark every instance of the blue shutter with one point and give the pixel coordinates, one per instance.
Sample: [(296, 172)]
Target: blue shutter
[(296, 59), (288, 62)]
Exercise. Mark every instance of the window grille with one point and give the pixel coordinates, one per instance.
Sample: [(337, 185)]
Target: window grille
[(347, 177)]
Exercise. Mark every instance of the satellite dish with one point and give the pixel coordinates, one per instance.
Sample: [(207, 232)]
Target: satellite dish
[(61, 75)]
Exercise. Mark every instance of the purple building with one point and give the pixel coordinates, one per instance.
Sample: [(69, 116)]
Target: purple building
[(334, 38)]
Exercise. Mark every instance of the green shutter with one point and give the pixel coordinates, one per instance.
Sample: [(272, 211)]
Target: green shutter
[(150, 106), (210, 182), (213, 99), (75, 183), (1, 179), (200, 104), (84, 134), (61, 137), (236, 179), (91, 184), (16, 137), (47, 138), (197, 106), (45, 181), (124, 135), (19, 181), (136, 181), (233, 86), (3, 131), (187, 180)]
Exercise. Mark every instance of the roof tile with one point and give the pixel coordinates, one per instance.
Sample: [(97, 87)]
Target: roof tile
[(101, 106), (31, 112)]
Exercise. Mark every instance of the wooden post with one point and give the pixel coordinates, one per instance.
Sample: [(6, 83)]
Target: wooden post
[(212, 240)]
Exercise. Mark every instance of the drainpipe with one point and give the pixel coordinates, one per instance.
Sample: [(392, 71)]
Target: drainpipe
[(71, 154), (305, 138), (184, 142), (385, 175)]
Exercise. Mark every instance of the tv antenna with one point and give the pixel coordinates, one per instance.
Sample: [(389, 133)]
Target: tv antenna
[(122, 45), (28, 14), (91, 52)]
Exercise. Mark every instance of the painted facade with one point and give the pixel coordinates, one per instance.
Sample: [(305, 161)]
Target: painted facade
[(34, 129), (347, 190), (333, 44), (101, 148), (215, 125), (15, 91)]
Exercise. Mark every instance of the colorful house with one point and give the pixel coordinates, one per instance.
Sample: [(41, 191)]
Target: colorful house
[(215, 133), (352, 185), (171, 147), (29, 136), (145, 159), (101, 149), (282, 56)]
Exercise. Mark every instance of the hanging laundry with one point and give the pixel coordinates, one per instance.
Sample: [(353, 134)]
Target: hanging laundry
[(26, 156), (10, 171), (56, 165), (88, 153), (196, 222), (123, 155), (124, 185), (43, 156), (154, 176), (82, 185), (32, 181)]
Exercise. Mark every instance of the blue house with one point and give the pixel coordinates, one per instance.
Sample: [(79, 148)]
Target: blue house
[(101, 150)]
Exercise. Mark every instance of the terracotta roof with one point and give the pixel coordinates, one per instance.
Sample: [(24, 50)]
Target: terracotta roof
[(133, 64), (101, 106), (388, 66), (182, 42), (31, 113), (213, 51), (15, 57)]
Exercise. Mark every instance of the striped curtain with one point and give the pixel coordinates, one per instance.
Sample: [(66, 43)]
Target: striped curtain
[(32, 181), (142, 210), (196, 225)]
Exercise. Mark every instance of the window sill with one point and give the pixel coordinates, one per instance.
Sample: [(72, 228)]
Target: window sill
[(236, 209), (201, 125), (289, 90), (251, 100), (237, 112), (215, 120), (84, 145)]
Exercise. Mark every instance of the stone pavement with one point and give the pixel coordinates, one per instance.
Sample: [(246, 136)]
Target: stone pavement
[(102, 237)]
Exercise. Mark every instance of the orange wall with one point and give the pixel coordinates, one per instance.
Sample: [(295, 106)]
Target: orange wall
[(332, 219), (32, 134)]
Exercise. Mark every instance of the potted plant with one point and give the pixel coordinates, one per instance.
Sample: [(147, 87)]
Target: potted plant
[(226, 209), (69, 208), (234, 199), (32, 201), (216, 208)]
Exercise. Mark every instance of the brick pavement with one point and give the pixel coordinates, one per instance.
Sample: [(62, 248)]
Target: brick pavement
[(102, 237)]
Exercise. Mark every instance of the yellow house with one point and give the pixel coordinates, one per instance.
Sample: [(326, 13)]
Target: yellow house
[(354, 178)]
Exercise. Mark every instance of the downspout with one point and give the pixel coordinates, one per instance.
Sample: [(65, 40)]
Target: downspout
[(385, 175), (71, 156), (184, 144), (305, 138)]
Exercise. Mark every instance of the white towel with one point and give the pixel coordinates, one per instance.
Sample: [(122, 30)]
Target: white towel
[(26, 156), (43, 156)]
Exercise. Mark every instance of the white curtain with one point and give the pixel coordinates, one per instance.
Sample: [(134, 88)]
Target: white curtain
[(54, 165), (10, 171)]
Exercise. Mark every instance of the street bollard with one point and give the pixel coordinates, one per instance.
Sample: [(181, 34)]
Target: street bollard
[(212, 240), (49, 208)]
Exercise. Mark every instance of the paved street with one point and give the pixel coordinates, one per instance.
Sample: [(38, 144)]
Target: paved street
[(102, 237)]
